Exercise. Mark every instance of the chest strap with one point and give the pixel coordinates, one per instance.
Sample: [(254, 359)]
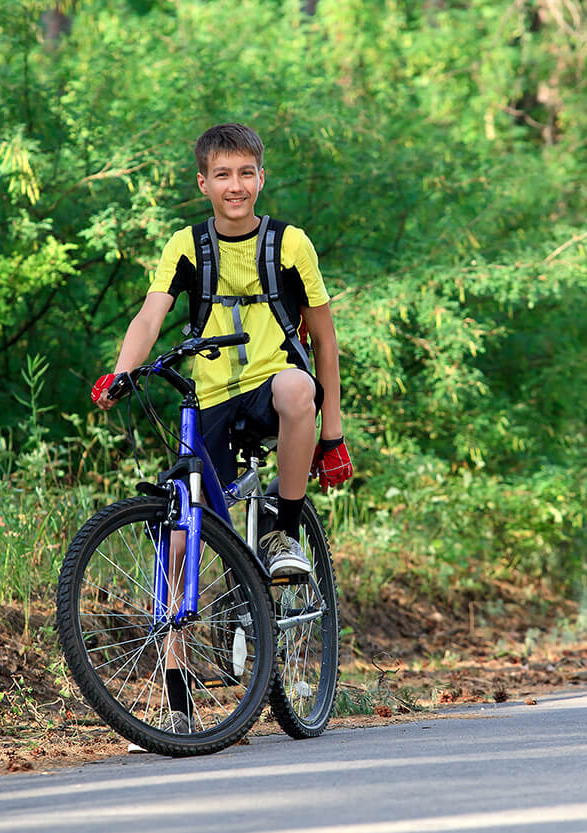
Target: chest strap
[(236, 302)]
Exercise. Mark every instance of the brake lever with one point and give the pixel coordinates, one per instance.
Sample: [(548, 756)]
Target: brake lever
[(211, 353)]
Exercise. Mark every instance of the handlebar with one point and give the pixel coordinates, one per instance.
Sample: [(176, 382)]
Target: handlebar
[(163, 364)]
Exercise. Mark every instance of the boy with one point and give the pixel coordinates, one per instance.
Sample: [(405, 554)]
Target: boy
[(267, 381)]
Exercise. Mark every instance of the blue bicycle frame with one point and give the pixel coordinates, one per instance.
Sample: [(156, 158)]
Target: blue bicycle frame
[(201, 474)]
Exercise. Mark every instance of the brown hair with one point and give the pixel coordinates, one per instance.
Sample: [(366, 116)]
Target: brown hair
[(230, 138)]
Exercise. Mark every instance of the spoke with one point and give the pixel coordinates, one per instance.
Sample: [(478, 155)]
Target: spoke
[(110, 612), (138, 546), (129, 654), (114, 645), (300, 653), (223, 596), (162, 662), (184, 675), (209, 587), (131, 669), (303, 679), (116, 598), (212, 560), (221, 671), (115, 629), (149, 682), (123, 572)]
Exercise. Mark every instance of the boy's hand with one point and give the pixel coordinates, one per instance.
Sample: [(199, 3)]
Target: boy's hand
[(100, 391), (331, 463)]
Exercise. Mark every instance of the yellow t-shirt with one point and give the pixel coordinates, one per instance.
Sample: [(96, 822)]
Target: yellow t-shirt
[(225, 377)]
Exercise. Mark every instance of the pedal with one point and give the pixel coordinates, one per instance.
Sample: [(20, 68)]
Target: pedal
[(297, 578), (215, 682)]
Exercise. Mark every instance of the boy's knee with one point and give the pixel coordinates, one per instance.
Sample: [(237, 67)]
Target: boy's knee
[(293, 393)]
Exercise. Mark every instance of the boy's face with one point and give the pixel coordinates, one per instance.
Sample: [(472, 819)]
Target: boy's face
[(232, 185)]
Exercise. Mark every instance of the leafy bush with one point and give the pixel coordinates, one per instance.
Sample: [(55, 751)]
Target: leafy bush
[(433, 153)]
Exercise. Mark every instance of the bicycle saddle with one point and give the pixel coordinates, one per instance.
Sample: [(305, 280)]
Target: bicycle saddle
[(246, 437)]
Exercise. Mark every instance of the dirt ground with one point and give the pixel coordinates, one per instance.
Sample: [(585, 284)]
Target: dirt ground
[(402, 661)]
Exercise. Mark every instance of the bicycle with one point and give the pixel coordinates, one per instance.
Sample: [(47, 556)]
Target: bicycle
[(162, 581)]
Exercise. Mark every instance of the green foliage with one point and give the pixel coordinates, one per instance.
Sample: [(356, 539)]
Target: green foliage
[(457, 538), (433, 151), (48, 490)]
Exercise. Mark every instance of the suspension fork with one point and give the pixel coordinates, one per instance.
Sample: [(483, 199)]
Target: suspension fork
[(192, 447), (190, 521)]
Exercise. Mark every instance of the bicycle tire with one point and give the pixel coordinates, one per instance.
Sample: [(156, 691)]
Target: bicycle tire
[(304, 690), (118, 658)]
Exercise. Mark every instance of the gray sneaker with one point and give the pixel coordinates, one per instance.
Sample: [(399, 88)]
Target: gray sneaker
[(178, 723), (284, 555)]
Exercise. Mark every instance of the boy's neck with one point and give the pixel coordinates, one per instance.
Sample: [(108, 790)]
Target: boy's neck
[(236, 228)]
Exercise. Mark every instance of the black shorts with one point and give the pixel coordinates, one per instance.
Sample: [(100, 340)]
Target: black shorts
[(256, 407)]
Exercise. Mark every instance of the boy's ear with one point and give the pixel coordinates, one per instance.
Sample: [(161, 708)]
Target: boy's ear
[(202, 183), (261, 178)]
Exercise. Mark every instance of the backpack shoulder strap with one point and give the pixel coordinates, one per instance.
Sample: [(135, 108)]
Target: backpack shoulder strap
[(269, 269), (200, 296)]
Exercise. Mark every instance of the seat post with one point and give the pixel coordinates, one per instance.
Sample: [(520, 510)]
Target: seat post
[(253, 506)]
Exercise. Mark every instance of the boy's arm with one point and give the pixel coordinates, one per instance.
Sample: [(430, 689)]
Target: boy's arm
[(321, 328), (140, 337), (332, 462)]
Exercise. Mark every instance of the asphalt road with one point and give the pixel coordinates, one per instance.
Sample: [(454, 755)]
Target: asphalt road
[(502, 768)]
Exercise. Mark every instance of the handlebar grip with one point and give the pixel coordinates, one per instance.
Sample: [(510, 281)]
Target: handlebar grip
[(229, 340), (193, 346), (120, 386)]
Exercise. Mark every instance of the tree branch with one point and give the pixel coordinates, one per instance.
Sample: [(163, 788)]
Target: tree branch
[(564, 246), (31, 322), (106, 286)]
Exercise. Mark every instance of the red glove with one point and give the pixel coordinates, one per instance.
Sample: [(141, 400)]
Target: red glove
[(103, 383), (331, 463)]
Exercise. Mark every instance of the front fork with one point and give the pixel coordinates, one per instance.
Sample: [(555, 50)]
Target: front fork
[(189, 521)]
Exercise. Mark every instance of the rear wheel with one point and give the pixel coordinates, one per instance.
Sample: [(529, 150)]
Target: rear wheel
[(306, 611), (120, 659)]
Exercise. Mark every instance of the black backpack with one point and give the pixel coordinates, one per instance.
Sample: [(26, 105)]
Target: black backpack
[(284, 305)]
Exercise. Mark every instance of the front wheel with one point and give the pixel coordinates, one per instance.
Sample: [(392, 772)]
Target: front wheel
[(223, 660), (306, 612)]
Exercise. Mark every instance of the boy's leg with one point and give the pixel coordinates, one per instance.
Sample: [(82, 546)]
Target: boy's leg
[(294, 394), (293, 400), (177, 676)]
